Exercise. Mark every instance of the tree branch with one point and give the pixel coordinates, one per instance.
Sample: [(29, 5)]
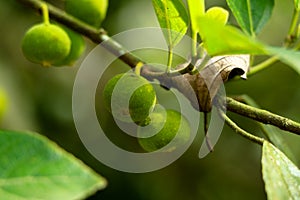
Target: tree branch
[(263, 116), (240, 131), (100, 36)]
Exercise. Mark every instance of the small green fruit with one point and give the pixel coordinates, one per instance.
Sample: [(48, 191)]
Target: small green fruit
[(219, 14), (92, 12), (3, 102), (46, 44), (77, 48), (134, 97), (162, 130)]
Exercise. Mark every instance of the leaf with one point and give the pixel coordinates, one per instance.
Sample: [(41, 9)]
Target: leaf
[(219, 14), (220, 39), (206, 84), (173, 17), (196, 9), (289, 57), (251, 14), (274, 134), (281, 176), (32, 167)]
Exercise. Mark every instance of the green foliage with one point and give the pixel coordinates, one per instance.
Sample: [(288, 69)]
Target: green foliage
[(92, 12), (220, 39), (196, 10), (173, 17), (32, 167), (251, 14), (288, 56), (44, 166), (134, 97), (164, 126), (281, 176), (46, 44)]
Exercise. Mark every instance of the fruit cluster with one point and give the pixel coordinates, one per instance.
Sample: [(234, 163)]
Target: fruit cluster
[(132, 98), (54, 45)]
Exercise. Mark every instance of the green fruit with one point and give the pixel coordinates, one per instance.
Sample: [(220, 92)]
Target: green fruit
[(134, 97), (92, 12), (162, 130), (3, 102), (46, 44), (77, 48)]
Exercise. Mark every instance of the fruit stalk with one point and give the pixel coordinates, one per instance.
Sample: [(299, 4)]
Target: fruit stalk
[(45, 13)]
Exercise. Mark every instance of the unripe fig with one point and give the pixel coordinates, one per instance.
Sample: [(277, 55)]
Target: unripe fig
[(92, 12), (3, 102), (77, 48), (46, 44), (162, 130), (134, 97)]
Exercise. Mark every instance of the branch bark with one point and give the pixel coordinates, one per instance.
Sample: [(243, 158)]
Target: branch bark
[(179, 82), (263, 116)]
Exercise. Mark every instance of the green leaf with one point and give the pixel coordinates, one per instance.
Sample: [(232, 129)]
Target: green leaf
[(274, 134), (173, 17), (218, 13), (220, 39), (289, 57), (251, 14), (281, 176), (196, 10), (32, 167)]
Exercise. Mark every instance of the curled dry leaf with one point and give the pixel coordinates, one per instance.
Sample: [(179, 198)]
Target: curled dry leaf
[(201, 88), (218, 71)]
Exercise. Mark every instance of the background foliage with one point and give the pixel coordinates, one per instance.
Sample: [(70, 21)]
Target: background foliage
[(40, 101)]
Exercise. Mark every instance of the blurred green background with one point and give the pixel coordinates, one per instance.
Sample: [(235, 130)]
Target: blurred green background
[(40, 99)]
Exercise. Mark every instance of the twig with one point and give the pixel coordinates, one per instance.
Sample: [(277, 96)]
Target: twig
[(240, 131), (263, 116)]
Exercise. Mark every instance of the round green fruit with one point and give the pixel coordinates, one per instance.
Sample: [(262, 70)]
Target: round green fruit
[(92, 12), (3, 102), (134, 97), (164, 126), (77, 48), (46, 44)]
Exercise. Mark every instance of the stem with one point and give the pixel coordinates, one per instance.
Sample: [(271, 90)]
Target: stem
[(138, 68), (293, 28), (250, 18), (237, 129), (207, 140), (194, 44), (263, 116), (263, 65), (45, 12), (170, 59)]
